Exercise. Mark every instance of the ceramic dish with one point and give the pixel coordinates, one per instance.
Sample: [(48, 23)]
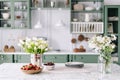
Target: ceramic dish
[(49, 67), (75, 64), (89, 8)]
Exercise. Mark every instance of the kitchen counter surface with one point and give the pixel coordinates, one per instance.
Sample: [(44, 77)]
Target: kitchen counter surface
[(54, 53), (11, 71)]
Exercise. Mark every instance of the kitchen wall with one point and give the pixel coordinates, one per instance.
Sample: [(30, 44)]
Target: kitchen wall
[(112, 2), (58, 37)]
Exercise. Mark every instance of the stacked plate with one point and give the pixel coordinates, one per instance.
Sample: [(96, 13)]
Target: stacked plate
[(75, 64)]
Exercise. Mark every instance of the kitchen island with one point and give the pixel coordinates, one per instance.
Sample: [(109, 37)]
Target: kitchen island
[(12, 71)]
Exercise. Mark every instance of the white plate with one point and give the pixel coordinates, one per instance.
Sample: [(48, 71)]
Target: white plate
[(74, 64)]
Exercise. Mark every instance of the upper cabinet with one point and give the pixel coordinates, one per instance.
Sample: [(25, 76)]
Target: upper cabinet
[(112, 24), (5, 14), (21, 12), (14, 14), (112, 21), (53, 4), (87, 16)]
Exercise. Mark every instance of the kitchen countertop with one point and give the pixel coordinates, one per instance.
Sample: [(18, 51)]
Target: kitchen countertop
[(11, 71), (55, 53)]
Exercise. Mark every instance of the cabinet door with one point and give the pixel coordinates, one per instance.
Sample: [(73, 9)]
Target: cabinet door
[(22, 58), (86, 58), (6, 59), (5, 14), (112, 24), (21, 12), (55, 58)]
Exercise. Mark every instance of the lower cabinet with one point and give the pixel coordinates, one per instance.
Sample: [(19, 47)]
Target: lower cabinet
[(59, 58), (22, 58), (55, 58), (6, 58), (85, 58)]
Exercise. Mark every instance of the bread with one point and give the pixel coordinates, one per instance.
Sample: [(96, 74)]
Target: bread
[(81, 37), (76, 50), (82, 49), (73, 40), (6, 48), (11, 49)]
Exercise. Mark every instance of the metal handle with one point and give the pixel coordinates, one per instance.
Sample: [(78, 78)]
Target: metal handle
[(2, 57), (81, 57)]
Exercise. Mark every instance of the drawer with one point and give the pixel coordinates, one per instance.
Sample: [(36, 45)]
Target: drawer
[(22, 58), (6, 58), (86, 58), (55, 58)]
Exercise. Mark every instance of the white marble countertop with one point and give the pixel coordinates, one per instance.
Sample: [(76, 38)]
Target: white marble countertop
[(11, 71), (54, 53)]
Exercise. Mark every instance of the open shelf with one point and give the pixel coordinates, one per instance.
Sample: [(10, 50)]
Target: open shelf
[(87, 27)]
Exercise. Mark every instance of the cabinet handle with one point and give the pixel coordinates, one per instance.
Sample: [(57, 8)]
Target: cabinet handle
[(55, 57), (2, 57), (81, 57)]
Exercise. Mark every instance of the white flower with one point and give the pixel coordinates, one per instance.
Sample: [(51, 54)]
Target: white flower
[(34, 45), (34, 38), (102, 43), (35, 48), (99, 38), (113, 37), (21, 41), (29, 46), (28, 39), (113, 46)]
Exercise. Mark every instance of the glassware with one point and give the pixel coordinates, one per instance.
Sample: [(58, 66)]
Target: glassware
[(104, 66)]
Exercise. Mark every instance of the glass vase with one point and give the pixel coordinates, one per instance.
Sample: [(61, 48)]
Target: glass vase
[(104, 65), (36, 59)]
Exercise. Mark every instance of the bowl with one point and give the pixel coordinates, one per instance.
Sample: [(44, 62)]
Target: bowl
[(32, 71), (6, 8), (49, 67), (5, 15)]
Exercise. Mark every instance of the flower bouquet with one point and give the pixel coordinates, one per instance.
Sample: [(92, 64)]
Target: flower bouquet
[(104, 45), (35, 46)]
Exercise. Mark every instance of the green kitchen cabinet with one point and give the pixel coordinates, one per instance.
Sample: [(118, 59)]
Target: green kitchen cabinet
[(112, 25), (55, 58), (6, 58), (85, 58), (14, 14), (21, 58)]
